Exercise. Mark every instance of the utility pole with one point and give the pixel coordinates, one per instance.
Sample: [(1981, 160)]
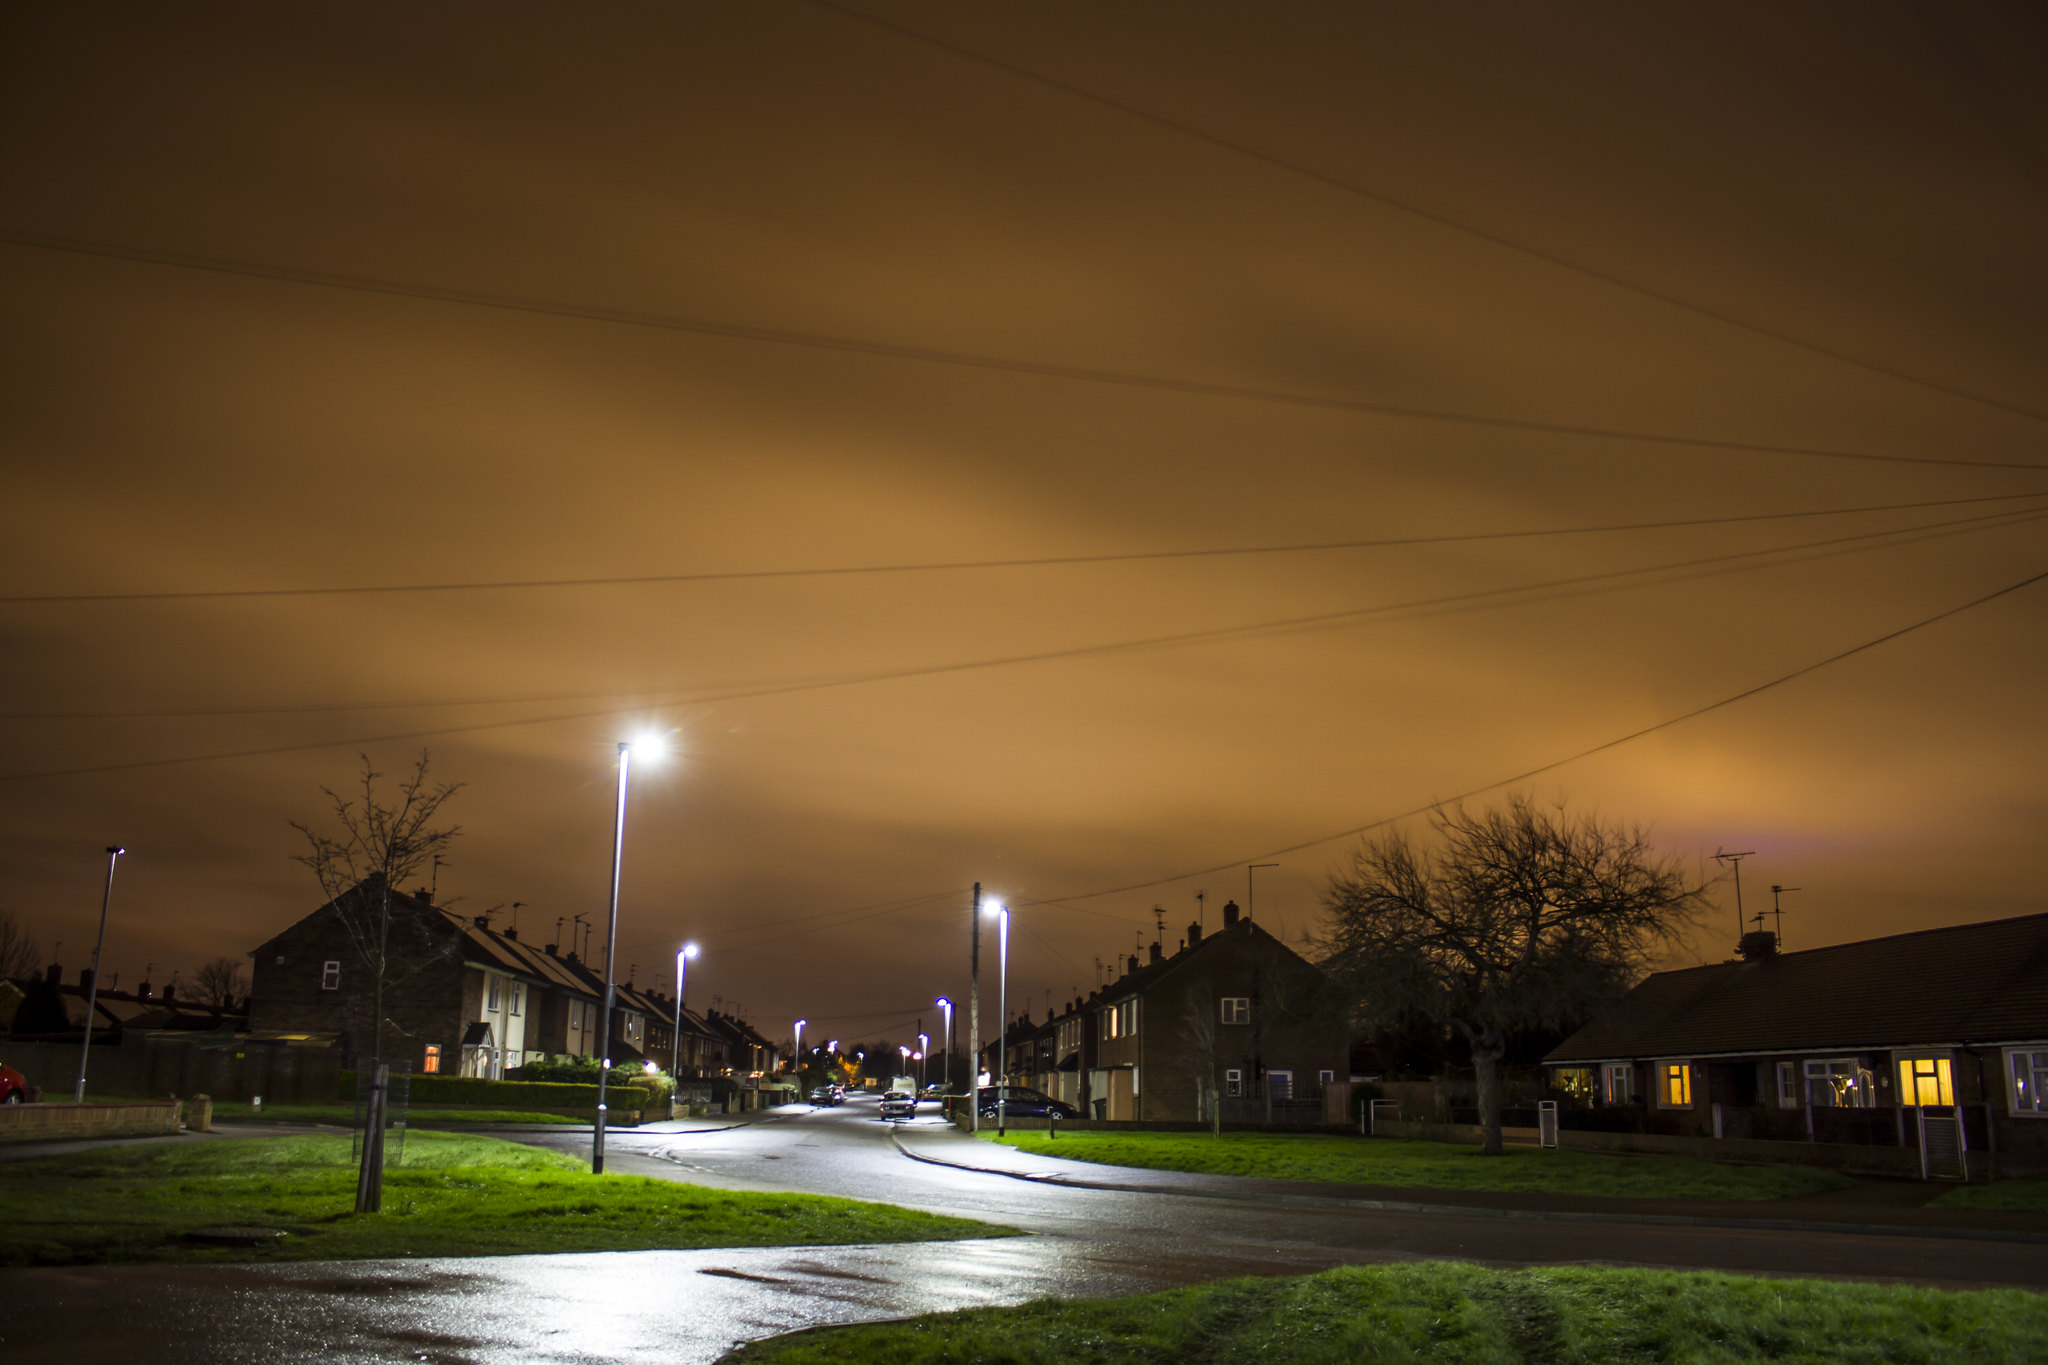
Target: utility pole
[(1778, 911), (92, 992), (1735, 861), (974, 1020), (1201, 910)]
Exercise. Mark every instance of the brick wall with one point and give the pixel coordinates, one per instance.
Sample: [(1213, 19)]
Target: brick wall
[(53, 1122)]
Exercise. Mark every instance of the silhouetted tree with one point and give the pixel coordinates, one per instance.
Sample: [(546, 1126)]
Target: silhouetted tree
[(20, 955), (1521, 917), (380, 844), (219, 983)]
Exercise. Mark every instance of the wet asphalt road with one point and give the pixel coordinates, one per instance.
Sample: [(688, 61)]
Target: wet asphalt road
[(692, 1306)]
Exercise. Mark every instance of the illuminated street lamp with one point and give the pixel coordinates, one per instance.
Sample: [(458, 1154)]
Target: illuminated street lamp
[(92, 992), (943, 1003), (798, 1060), (675, 1056), (651, 748), (1002, 914), (924, 1045)]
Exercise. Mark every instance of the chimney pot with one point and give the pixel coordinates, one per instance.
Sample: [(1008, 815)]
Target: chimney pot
[(1131, 964), (55, 976), (513, 934), (1230, 913), (85, 981), (1757, 945), (1158, 951), (1194, 934), (170, 992)]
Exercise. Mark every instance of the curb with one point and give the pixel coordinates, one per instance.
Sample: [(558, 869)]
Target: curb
[(1675, 1220)]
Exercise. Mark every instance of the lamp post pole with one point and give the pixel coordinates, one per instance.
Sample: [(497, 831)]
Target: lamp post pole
[(947, 1005), (974, 1019), (92, 993), (1002, 1016), (924, 1046), (675, 1054), (604, 1035), (798, 1060)]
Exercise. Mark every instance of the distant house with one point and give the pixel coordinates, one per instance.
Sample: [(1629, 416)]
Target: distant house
[(1862, 1042), (459, 997), (1229, 1019)]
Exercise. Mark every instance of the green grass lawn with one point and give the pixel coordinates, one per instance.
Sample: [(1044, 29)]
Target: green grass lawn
[(1459, 1314), (345, 1114), (1430, 1165), (2005, 1196), (456, 1195)]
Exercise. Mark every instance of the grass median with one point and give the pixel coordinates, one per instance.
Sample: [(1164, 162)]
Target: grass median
[(1430, 1165), (1457, 1314), (456, 1195)]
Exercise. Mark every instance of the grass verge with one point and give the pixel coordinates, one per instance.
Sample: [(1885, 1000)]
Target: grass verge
[(2027, 1195), (457, 1195), (345, 1114), (1439, 1311), (1431, 1165)]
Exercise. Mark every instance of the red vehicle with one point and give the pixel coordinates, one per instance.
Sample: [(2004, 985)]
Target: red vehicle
[(13, 1086)]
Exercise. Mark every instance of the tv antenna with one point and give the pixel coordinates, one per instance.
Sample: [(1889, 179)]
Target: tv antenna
[(434, 878), (515, 915), (1159, 922), (1735, 861), (1201, 910), (1779, 912)]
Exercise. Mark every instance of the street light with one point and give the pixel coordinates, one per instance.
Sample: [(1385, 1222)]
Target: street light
[(92, 992), (924, 1045), (798, 1059), (943, 1003), (1002, 914), (675, 1055), (651, 748)]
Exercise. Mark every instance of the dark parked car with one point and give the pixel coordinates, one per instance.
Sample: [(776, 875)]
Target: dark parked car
[(1021, 1102), (825, 1095), (13, 1086), (899, 1104)]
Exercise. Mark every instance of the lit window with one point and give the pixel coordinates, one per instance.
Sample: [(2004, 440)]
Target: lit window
[(1233, 1083), (1617, 1082), (1838, 1083), (1925, 1081), (330, 976), (1575, 1083), (1237, 1009), (1674, 1085), (2027, 1076), (432, 1065)]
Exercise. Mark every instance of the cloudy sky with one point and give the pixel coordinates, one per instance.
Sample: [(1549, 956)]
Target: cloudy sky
[(1405, 399)]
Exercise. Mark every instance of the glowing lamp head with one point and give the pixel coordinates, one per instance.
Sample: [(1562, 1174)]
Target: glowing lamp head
[(995, 910), (651, 1068), (943, 1003), (689, 950), (649, 747)]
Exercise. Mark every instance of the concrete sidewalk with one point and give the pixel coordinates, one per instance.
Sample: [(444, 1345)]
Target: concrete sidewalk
[(1888, 1207)]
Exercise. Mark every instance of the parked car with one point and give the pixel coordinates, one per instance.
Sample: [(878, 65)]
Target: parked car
[(1022, 1102), (825, 1095), (13, 1086), (899, 1104)]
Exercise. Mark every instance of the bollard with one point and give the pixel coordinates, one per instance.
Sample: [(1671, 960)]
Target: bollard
[(1052, 1124)]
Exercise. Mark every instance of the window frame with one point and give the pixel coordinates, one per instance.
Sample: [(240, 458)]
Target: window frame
[(1858, 1095), (1235, 1010), (1674, 1077), (1625, 1092), (493, 996), (1233, 1083), (2037, 1072), (330, 975), (430, 1065), (1943, 1079)]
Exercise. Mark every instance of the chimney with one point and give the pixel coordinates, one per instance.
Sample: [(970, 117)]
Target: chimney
[(55, 976), (480, 921), (423, 895), (1131, 964), (85, 982), (512, 933), (551, 949), (170, 993), (1194, 934), (1758, 945), (1229, 913), (1158, 952)]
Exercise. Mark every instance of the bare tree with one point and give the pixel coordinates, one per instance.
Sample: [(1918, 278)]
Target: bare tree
[(380, 844), (219, 983), (20, 955), (1522, 917)]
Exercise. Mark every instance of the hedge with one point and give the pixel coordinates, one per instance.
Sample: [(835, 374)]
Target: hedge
[(512, 1095)]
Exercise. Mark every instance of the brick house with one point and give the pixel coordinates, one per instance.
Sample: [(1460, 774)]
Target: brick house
[(459, 997), (1229, 1019), (1864, 1044)]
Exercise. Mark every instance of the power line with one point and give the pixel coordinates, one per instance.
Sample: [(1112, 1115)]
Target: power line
[(963, 359), (1555, 764), (1573, 586), (946, 566), (1431, 216)]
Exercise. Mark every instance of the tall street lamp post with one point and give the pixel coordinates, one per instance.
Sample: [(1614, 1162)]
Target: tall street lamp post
[(648, 747), (1002, 914), (675, 1055), (974, 1015), (924, 1046), (798, 1060), (943, 1003), (92, 992)]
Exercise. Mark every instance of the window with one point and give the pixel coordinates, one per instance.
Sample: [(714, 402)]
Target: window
[(432, 1065), (1674, 1085), (518, 996), (1925, 1081), (1280, 1084), (1788, 1085), (1575, 1083), (330, 976), (490, 991), (1237, 1009), (1233, 1083), (1839, 1083), (1325, 1077), (1617, 1083), (2026, 1075), (1120, 1021)]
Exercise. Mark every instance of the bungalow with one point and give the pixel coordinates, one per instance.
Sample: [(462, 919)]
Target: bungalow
[(1935, 1040)]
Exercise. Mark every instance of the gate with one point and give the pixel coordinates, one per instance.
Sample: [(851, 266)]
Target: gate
[(1941, 1144)]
